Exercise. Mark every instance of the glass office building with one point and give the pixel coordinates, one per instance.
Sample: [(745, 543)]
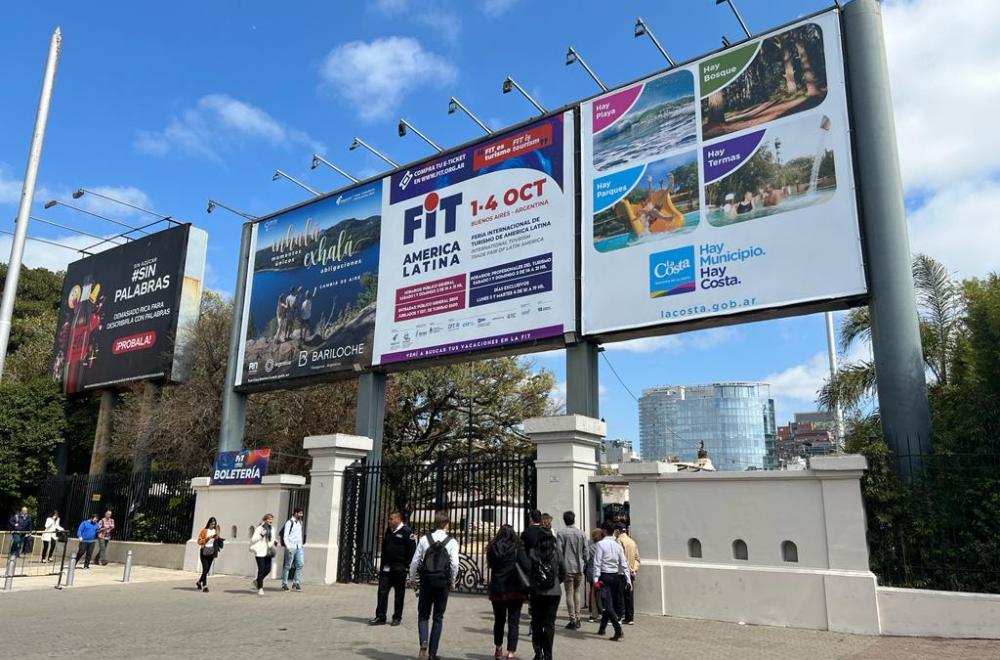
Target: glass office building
[(734, 420)]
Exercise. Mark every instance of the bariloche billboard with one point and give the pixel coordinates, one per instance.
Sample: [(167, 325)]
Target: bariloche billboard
[(128, 313), (477, 247), (721, 187), (309, 308)]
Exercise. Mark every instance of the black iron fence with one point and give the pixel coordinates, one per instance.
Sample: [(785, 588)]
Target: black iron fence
[(479, 498), (146, 506), (940, 527)]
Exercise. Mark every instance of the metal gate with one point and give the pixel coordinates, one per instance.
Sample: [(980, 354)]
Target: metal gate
[(478, 497)]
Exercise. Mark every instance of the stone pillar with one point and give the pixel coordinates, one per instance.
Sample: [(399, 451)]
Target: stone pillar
[(331, 454), (567, 456)]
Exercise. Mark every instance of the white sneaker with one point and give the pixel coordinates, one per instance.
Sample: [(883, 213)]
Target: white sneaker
[(260, 592)]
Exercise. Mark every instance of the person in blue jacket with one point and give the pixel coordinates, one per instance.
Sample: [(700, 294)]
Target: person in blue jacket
[(87, 532), (20, 527)]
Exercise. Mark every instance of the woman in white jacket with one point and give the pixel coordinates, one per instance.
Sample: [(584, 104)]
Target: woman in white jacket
[(49, 538), (263, 546)]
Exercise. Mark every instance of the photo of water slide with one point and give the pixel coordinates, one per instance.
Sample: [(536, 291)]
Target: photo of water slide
[(663, 203), (792, 168), (786, 76), (661, 120)]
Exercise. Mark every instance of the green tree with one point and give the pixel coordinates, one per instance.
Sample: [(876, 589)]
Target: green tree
[(32, 422)]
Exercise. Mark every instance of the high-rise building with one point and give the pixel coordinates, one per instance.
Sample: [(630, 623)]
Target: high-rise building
[(616, 452), (734, 420)]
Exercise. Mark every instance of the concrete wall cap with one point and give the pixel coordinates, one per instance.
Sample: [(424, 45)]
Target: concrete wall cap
[(284, 479), (838, 462), (201, 482), (651, 467), (565, 424), (338, 441)]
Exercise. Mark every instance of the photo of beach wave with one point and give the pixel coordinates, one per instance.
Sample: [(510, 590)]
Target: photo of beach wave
[(660, 121)]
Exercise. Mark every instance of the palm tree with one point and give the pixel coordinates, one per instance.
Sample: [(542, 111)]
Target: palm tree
[(939, 307)]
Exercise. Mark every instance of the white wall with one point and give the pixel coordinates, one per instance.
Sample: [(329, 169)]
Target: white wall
[(939, 613)]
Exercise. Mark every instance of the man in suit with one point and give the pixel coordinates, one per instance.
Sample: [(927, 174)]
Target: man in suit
[(398, 546)]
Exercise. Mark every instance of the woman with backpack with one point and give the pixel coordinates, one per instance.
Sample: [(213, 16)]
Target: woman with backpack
[(510, 569), (547, 576), (209, 544), (263, 546)]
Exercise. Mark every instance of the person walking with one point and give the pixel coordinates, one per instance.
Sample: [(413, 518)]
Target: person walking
[(573, 550), (398, 546), (548, 573), (20, 528), (49, 538), (263, 546), (209, 544), (436, 564), (631, 550), (292, 539), (510, 582), (104, 528), (534, 531), (596, 606), (611, 576), (87, 533)]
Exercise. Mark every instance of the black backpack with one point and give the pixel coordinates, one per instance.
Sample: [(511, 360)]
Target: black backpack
[(542, 576), (435, 569)]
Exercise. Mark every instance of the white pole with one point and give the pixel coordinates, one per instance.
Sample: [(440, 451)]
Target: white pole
[(27, 197), (838, 415)]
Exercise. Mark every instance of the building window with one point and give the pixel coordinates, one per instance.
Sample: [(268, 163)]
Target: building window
[(789, 552), (488, 515), (740, 549), (694, 548)]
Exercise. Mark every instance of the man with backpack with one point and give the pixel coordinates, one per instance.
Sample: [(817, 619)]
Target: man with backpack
[(291, 538), (435, 563)]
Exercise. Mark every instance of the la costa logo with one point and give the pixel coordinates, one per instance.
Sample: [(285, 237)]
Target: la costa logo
[(668, 268)]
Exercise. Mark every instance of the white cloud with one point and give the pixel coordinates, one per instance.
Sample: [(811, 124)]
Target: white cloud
[(375, 76), (494, 8), (219, 123), (697, 341), (944, 68), (127, 194), (960, 227), (801, 382), (45, 255), (10, 188)]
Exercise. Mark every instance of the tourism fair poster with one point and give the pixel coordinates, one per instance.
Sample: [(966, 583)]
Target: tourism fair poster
[(309, 308), (722, 187), (477, 247)]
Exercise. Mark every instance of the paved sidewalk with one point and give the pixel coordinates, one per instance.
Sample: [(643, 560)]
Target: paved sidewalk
[(95, 576), (169, 619)]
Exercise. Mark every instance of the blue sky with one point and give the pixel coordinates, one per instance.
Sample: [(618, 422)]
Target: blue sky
[(172, 104)]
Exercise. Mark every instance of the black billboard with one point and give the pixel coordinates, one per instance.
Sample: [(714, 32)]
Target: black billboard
[(121, 310)]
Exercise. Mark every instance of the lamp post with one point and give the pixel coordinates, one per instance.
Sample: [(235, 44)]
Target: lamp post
[(212, 204), (27, 196), (80, 192), (642, 29), (510, 84), (838, 413), (404, 125), (454, 104), (573, 56), (317, 159), (358, 142), (736, 12), (278, 174), (54, 202)]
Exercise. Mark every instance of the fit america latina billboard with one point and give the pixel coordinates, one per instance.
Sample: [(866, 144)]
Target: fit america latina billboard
[(127, 313)]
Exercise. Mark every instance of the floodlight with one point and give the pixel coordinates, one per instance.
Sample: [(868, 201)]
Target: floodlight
[(511, 84), (403, 125), (317, 159), (358, 142), (454, 104), (642, 29), (573, 56)]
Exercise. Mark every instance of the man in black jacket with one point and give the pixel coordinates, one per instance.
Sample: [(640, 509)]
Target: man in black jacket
[(398, 546)]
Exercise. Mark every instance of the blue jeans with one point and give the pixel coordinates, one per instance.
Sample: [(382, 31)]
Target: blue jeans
[(436, 599), (292, 556), (16, 543)]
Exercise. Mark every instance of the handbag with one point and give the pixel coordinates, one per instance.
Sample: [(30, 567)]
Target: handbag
[(207, 550), (521, 576)]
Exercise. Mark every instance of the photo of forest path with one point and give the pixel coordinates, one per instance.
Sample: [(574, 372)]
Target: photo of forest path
[(787, 76)]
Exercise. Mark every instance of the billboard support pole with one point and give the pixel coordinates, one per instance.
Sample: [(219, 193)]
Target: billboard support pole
[(27, 196), (582, 379), (234, 404), (150, 398), (370, 419), (102, 437), (902, 386)]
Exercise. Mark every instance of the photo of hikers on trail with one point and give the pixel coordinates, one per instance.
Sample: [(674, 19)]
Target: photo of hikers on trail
[(663, 203), (792, 168), (787, 75)]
